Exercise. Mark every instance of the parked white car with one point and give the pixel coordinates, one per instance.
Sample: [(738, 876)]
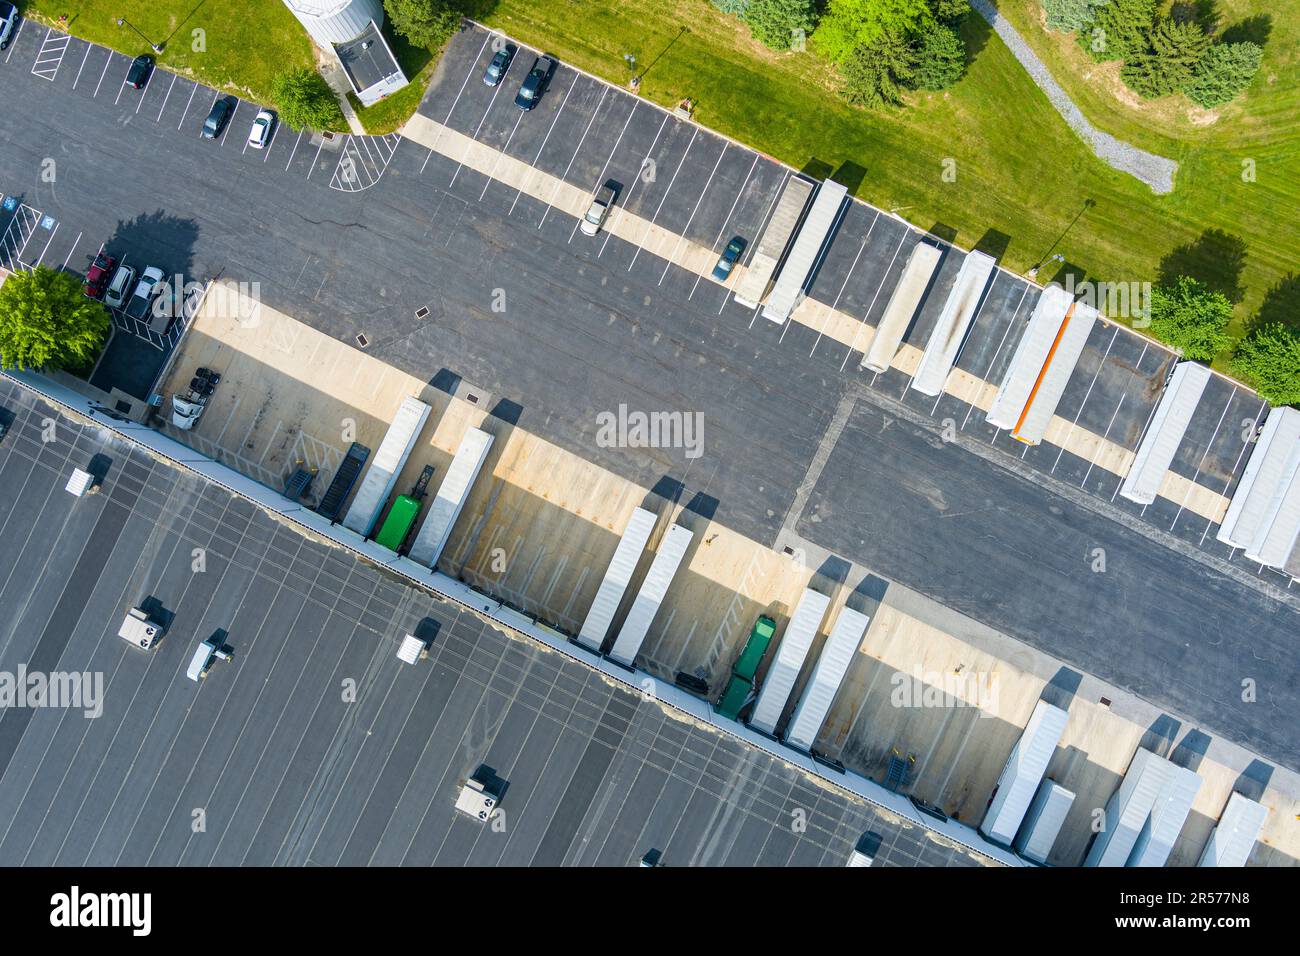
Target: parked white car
[(598, 210), (119, 287), (263, 125)]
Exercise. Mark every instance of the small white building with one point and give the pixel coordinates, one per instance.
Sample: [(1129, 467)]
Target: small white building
[(350, 29)]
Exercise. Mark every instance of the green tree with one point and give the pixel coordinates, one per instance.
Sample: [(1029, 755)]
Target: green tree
[(1224, 72), (849, 26), (737, 8), (1269, 358), (47, 322), (1191, 317), (1120, 30), (306, 101), (1067, 16), (1179, 45), (780, 24), (426, 23), (940, 58), (876, 74), (950, 11)]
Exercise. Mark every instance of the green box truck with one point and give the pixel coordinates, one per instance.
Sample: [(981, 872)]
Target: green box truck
[(397, 525), (742, 674)]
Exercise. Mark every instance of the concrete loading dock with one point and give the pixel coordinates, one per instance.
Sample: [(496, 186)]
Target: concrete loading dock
[(950, 330), (1165, 432), (903, 303), (807, 250), (559, 519), (618, 575), (751, 288), (1263, 517), (450, 499)]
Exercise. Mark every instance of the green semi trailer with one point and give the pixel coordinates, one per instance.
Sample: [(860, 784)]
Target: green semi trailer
[(742, 674)]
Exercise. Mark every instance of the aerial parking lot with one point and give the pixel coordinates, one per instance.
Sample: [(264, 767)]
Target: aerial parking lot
[(448, 262)]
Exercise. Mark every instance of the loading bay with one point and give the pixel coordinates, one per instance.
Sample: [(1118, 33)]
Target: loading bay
[(1003, 533), (282, 769)]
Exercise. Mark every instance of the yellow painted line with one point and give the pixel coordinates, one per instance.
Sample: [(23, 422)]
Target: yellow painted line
[(831, 323)]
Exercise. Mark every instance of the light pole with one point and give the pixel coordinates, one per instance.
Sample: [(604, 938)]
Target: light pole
[(124, 22)]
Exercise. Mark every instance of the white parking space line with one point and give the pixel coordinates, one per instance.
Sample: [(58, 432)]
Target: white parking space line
[(730, 212), (75, 243), (501, 152), (41, 257), (1201, 464), (696, 208), (872, 304), (194, 89), (488, 109), (84, 58), (50, 56), (835, 306), (316, 158), (576, 150), (171, 86), (14, 43), (472, 68), (546, 138), (1254, 431), (601, 178), (654, 218), (103, 73), (1105, 437), (646, 162), (994, 361), (230, 122), (122, 85), (215, 96), (145, 91), (270, 143), (293, 151), (1086, 395)]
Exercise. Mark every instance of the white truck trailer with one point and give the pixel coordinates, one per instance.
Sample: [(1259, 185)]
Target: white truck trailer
[(799, 635), (1165, 431), (1265, 508), (386, 465), (1043, 821), (752, 287), (456, 485), (651, 596), (950, 331), (903, 303), (1023, 772), (832, 664), (1233, 839), (617, 577), (805, 252)]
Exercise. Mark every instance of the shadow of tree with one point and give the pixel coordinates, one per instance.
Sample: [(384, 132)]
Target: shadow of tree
[(1256, 29), (1216, 259), (1281, 304)]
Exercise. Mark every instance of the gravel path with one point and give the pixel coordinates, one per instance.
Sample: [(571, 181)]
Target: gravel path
[(1156, 171)]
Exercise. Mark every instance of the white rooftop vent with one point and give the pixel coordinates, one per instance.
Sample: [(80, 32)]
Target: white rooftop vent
[(411, 649), (81, 483), (138, 630)]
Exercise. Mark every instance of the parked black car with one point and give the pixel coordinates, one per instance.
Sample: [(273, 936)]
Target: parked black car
[(216, 121), (535, 82), (138, 75)]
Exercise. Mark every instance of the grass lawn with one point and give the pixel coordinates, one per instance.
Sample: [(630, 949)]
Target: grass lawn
[(245, 43), (1022, 175)]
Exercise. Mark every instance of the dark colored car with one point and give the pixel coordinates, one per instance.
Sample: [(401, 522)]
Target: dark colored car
[(216, 121), (8, 17), (728, 258), (138, 75), (496, 70), (534, 84), (97, 276)]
